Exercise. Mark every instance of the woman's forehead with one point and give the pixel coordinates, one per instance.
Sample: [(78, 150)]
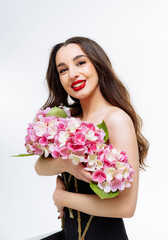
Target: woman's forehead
[(68, 52)]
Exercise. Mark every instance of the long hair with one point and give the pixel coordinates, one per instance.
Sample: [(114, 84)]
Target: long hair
[(112, 89)]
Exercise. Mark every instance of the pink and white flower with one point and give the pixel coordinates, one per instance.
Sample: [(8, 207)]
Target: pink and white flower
[(79, 138), (109, 173), (63, 136), (82, 142), (92, 159), (106, 186), (117, 184), (73, 124), (91, 135), (76, 159), (99, 176), (40, 128)]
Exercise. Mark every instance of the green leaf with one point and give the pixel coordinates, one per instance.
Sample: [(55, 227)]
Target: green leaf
[(101, 193), (23, 155), (104, 127), (57, 112)]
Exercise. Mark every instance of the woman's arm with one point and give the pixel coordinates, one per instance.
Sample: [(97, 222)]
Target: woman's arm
[(50, 166), (122, 136)]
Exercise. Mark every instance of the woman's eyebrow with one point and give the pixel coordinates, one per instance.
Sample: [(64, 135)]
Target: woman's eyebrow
[(75, 58)]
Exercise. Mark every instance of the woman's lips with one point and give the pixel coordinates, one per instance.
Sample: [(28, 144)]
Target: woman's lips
[(78, 85)]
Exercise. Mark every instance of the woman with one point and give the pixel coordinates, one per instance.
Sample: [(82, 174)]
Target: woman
[(80, 69)]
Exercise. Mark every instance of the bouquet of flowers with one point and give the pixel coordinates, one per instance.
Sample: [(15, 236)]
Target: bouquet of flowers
[(53, 132)]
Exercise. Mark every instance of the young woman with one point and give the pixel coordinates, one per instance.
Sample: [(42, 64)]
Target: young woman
[(80, 69)]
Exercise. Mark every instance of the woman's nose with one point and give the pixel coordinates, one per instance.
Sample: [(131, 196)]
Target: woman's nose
[(73, 73)]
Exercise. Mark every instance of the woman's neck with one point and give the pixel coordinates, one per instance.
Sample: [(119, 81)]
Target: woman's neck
[(93, 106)]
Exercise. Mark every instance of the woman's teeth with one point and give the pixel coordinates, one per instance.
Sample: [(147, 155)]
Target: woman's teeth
[(78, 84)]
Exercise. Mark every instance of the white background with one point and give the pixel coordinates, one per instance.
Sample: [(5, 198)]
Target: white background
[(135, 36)]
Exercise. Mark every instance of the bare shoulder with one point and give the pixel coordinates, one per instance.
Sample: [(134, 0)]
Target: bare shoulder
[(122, 132), (116, 117)]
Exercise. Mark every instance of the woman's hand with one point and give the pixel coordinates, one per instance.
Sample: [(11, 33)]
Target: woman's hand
[(50, 166), (60, 186), (77, 171)]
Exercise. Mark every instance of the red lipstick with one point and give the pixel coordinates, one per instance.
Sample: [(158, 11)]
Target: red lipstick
[(78, 85)]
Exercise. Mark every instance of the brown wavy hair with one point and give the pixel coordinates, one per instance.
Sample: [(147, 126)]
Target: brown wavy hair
[(112, 89)]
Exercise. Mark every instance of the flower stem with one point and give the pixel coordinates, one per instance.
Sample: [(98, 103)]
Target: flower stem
[(87, 227), (62, 222), (79, 216), (71, 214), (65, 181), (69, 179)]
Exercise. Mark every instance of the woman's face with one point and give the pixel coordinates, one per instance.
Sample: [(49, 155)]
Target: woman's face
[(77, 74)]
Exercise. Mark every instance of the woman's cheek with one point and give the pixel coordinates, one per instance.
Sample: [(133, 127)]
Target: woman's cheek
[(63, 83)]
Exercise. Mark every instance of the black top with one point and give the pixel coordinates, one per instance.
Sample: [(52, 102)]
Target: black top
[(100, 227)]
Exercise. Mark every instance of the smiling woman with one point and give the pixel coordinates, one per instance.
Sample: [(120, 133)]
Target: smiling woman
[(77, 72), (80, 68)]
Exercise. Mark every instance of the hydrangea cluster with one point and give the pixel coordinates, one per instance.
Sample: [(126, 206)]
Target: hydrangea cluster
[(83, 142)]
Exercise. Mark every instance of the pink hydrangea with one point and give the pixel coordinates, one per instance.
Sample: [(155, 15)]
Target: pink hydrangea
[(43, 141), (83, 142), (99, 176), (117, 184), (79, 138)]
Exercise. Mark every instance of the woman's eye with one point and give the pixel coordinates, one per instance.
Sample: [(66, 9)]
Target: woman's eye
[(81, 62), (63, 70)]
